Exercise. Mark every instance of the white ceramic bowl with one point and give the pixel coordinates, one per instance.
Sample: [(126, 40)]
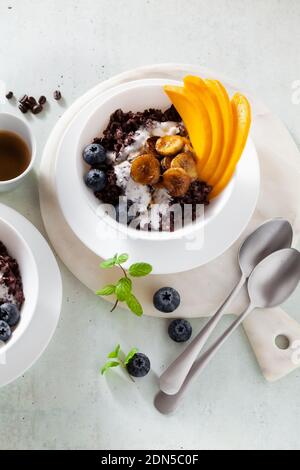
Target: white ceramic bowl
[(12, 123), (136, 96), (104, 237), (19, 249)]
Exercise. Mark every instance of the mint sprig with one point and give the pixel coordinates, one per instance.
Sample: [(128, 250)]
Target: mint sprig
[(140, 269), (130, 355), (120, 359), (109, 263), (123, 288), (134, 305)]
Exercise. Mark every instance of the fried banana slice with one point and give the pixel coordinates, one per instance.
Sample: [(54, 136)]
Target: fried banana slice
[(176, 181), (166, 163), (187, 145), (150, 146), (145, 169), (187, 163), (169, 145)]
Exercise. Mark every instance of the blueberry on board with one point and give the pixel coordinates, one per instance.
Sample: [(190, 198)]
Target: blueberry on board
[(139, 365), (5, 331), (95, 179), (166, 299), (180, 330), (9, 313), (94, 154)]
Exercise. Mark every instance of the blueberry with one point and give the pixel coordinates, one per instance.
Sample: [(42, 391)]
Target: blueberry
[(166, 299), (95, 179), (123, 214), (94, 154), (5, 331), (9, 313), (139, 365), (180, 330)]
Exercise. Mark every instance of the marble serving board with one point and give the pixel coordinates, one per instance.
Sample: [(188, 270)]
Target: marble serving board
[(280, 167)]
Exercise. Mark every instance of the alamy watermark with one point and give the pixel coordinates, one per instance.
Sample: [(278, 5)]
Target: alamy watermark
[(159, 218)]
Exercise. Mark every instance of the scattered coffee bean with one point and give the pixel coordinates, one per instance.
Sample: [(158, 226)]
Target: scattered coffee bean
[(23, 108), (32, 101), (23, 99), (28, 104), (9, 95), (57, 95), (37, 109), (42, 100)]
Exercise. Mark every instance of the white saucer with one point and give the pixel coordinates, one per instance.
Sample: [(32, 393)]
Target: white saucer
[(37, 336), (171, 256)]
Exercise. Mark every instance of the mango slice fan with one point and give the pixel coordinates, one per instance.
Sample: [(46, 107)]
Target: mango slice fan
[(218, 127)]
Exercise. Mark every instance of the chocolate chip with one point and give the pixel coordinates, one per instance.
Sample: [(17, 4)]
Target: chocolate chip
[(57, 95), (42, 100), (23, 108), (37, 109), (9, 95), (23, 99)]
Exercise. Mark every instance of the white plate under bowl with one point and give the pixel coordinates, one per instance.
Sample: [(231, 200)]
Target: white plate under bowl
[(80, 208), (36, 336)]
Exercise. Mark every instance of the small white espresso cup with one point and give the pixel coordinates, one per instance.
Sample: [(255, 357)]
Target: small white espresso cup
[(12, 123)]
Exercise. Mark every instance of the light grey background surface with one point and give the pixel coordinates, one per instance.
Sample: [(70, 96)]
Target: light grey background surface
[(63, 402)]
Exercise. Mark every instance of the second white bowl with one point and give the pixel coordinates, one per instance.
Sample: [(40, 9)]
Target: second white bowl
[(21, 252)]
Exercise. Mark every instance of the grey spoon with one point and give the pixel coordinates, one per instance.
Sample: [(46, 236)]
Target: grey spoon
[(272, 281), (271, 236)]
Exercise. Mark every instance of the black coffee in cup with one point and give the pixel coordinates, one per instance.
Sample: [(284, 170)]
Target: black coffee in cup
[(14, 155)]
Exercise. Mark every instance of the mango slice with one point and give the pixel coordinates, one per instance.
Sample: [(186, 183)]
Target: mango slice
[(201, 92), (241, 125), (196, 121), (227, 120), (218, 128)]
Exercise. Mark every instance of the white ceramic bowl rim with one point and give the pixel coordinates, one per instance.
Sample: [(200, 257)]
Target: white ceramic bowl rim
[(32, 150), (117, 92)]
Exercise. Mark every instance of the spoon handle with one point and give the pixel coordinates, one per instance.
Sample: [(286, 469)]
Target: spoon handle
[(173, 377), (206, 357), (167, 403)]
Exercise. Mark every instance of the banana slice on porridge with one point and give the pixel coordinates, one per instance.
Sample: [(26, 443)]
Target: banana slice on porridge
[(187, 147), (187, 163), (169, 145), (145, 169), (176, 181), (166, 163), (150, 146)]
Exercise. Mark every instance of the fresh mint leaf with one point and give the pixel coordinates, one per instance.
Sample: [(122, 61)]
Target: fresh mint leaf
[(122, 258), (134, 305), (130, 355), (123, 288), (109, 263), (108, 365), (140, 269), (106, 290), (115, 352)]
